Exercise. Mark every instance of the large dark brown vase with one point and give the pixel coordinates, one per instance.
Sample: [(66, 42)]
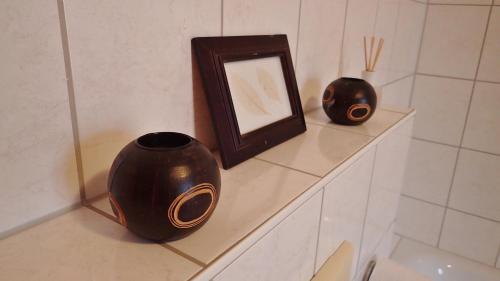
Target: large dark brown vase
[(349, 101), (164, 186)]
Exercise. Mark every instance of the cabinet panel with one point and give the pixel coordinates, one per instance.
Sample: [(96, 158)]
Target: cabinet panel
[(285, 253), (387, 182), (344, 209)]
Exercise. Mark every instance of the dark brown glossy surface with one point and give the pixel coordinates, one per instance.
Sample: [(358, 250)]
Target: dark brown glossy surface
[(164, 186), (349, 101), (212, 53)]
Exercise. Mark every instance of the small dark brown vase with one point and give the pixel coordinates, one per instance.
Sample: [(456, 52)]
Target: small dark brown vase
[(164, 186), (349, 101)]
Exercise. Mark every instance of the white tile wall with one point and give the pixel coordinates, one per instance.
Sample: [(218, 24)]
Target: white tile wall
[(132, 71), (386, 23), (483, 127), (397, 93), (37, 156), (429, 171), (476, 188), (451, 47), (410, 23), (344, 209), (419, 220), (241, 17), (452, 40), (471, 237), (489, 68), (319, 48), (441, 104), (360, 22)]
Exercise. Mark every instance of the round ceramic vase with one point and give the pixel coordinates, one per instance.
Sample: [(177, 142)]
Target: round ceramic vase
[(164, 186), (349, 101)]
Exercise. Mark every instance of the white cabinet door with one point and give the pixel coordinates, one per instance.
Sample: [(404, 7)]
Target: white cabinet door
[(344, 209), (385, 189), (285, 253)]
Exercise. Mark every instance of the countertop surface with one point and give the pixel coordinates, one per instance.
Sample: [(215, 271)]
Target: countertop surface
[(87, 243)]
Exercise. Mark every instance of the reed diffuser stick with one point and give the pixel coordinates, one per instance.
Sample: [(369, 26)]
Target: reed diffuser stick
[(372, 42), (377, 54), (366, 54)]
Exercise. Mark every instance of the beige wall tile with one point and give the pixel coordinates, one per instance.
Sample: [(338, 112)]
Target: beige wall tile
[(409, 26), (386, 24), (419, 220), (429, 171), (470, 236), (483, 127), (133, 74), (489, 68), (441, 104), (452, 40), (397, 94), (476, 188), (319, 48), (37, 157), (260, 17), (360, 21)]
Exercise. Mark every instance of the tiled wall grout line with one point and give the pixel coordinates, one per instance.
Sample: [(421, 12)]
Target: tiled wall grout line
[(376, 16), (319, 228), (455, 146), (452, 4), (476, 74), (457, 78), (221, 17), (498, 257), (435, 142), (444, 250), (397, 244), (32, 223), (410, 102), (366, 209), (290, 168), (184, 255), (298, 36), (486, 81), (451, 208), (418, 241), (71, 98), (397, 80), (341, 59)]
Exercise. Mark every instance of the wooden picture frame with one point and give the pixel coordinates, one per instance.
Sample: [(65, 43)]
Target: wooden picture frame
[(244, 133)]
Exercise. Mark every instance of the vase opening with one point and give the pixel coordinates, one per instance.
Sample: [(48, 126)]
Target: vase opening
[(164, 140), (352, 79)]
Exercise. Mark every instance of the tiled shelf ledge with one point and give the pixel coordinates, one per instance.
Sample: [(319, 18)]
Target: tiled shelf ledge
[(256, 196)]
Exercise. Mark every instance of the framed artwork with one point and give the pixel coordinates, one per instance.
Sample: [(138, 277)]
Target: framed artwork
[(251, 92)]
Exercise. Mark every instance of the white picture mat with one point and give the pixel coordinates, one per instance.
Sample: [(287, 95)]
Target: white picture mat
[(258, 91)]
